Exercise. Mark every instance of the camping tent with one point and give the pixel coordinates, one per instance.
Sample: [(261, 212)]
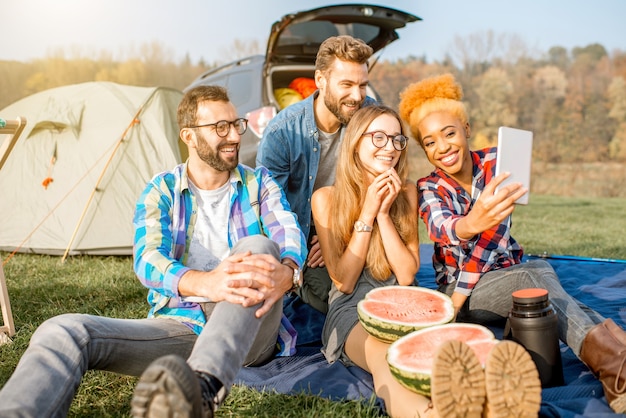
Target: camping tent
[(70, 184)]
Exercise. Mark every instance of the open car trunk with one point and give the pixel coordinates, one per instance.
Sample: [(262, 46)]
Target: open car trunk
[(280, 77), (295, 39)]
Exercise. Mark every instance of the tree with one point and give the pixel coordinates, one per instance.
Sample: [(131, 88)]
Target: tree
[(587, 105), (594, 51), (239, 49), (390, 78), (478, 49), (550, 82), (495, 107), (558, 56), (549, 89), (617, 96)]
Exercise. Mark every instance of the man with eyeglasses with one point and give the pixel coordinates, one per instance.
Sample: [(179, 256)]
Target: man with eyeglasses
[(301, 144), (217, 246)]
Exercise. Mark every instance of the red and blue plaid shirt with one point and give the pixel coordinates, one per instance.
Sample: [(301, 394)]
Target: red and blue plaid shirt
[(442, 203)]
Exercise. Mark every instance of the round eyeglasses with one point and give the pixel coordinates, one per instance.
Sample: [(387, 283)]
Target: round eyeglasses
[(222, 128), (380, 139)]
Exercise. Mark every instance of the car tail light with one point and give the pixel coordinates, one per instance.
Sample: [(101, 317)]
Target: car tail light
[(259, 118)]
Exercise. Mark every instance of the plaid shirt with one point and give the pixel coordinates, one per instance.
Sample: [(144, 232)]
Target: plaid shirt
[(164, 221), (442, 203)]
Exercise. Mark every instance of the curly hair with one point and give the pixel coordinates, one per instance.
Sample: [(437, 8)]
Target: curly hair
[(433, 94)]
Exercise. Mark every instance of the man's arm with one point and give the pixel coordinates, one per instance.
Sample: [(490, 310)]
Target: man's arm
[(273, 153), (279, 221), (156, 263), (281, 227)]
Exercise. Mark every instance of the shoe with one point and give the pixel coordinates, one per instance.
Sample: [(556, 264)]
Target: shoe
[(170, 388), (512, 382), (604, 351), (457, 383)]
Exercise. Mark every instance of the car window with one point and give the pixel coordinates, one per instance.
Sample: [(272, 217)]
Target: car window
[(240, 87), (313, 33)]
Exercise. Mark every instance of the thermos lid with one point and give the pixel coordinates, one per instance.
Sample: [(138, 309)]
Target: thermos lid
[(530, 295)]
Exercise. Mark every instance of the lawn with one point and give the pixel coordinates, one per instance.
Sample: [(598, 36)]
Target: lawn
[(41, 287)]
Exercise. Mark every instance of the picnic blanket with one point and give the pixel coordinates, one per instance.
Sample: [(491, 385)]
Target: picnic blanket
[(600, 285)]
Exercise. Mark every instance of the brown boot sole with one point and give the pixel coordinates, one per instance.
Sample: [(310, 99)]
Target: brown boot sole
[(168, 388), (457, 382), (512, 383)]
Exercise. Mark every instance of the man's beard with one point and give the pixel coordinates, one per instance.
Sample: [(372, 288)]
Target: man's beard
[(334, 105), (213, 158)]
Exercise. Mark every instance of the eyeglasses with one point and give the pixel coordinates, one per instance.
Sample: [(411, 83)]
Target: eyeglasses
[(380, 139), (222, 128)]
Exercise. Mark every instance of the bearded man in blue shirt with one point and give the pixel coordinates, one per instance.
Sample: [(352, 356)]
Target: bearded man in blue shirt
[(301, 144)]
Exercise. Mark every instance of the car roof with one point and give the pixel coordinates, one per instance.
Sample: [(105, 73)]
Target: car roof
[(297, 36)]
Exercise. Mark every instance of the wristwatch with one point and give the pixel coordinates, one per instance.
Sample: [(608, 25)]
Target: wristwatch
[(296, 280), (360, 226)]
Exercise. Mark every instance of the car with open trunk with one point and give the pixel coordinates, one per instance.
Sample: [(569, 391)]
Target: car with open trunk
[(291, 51)]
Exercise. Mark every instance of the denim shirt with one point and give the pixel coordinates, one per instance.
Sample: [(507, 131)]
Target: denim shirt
[(290, 150)]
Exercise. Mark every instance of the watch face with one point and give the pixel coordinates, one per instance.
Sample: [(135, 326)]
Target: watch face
[(360, 226), (296, 277)]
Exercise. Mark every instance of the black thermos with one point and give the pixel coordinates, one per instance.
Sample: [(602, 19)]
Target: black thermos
[(533, 323)]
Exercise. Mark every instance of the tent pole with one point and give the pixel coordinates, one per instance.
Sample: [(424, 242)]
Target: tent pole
[(134, 121)]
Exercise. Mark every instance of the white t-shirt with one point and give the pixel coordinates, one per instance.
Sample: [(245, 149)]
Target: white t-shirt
[(209, 243)]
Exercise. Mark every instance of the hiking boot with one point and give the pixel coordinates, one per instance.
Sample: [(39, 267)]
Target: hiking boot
[(457, 383), (512, 382), (170, 388), (604, 351)]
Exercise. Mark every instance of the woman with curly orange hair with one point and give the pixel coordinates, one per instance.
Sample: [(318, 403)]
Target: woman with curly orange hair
[(477, 261)]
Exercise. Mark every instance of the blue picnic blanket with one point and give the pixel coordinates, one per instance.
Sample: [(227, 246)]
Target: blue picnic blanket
[(600, 285)]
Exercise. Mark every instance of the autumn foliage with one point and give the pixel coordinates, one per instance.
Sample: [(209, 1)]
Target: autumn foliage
[(573, 100)]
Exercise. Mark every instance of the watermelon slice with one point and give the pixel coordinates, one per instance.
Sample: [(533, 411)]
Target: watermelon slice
[(391, 312), (411, 357)]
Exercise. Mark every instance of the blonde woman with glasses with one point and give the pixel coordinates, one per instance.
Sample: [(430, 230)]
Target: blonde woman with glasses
[(367, 227)]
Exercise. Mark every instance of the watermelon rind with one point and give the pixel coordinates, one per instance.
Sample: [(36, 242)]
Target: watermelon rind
[(410, 308), (421, 346)]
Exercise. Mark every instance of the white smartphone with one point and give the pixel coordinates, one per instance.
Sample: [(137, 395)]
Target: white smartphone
[(514, 155)]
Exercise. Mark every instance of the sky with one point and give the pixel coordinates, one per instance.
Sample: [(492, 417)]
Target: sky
[(207, 29)]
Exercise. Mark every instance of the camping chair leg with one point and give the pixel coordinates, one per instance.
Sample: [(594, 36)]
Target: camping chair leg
[(7, 330), (13, 128)]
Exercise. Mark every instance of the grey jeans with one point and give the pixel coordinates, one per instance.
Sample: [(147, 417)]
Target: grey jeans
[(491, 300), (64, 347)]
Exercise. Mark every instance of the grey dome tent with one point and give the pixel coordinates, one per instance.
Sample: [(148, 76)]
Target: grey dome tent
[(70, 184)]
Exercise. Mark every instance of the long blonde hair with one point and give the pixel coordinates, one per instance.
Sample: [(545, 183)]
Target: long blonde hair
[(350, 189)]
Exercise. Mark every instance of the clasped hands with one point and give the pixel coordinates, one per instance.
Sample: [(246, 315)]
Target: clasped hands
[(246, 279), (381, 194)]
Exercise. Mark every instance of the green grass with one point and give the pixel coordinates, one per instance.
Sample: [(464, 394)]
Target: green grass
[(41, 287), (585, 227), (589, 227)]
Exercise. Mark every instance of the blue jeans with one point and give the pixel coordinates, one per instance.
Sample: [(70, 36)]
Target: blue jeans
[(491, 300), (64, 347)]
